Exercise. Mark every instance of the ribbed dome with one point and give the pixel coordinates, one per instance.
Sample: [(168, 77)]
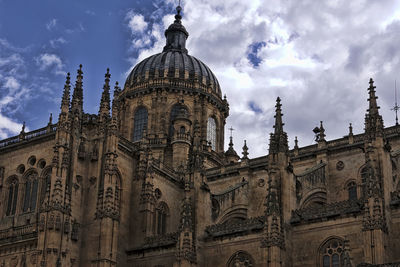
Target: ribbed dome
[(174, 65)]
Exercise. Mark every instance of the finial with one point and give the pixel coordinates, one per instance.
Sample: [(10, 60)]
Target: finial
[(322, 132), (371, 83), (296, 143), (245, 151), (105, 96), (178, 16), (51, 118), (23, 127), (278, 101), (350, 129), (278, 117), (80, 72), (65, 96), (231, 130), (117, 89), (396, 107), (231, 142)]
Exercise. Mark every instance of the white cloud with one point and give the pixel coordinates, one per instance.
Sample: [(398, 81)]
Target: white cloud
[(15, 91), (136, 22), (51, 24), (8, 126), (58, 41), (318, 58), (11, 83), (46, 61), (79, 28), (90, 12)]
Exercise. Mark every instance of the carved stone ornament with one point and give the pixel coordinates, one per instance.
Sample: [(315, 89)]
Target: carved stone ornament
[(92, 180), (157, 193), (261, 182), (241, 259), (33, 258), (340, 165), (14, 261)]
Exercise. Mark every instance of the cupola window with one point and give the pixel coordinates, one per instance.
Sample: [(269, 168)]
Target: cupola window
[(139, 123), (212, 132)]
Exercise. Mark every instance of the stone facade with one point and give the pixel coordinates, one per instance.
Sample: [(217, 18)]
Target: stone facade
[(146, 182)]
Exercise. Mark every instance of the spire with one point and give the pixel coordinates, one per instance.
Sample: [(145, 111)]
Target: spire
[(373, 106), (115, 105), (50, 119), (231, 153), (350, 129), (278, 141), (278, 117), (117, 90), (176, 34), (77, 96), (66, 98), (373, 121), (104, 111)]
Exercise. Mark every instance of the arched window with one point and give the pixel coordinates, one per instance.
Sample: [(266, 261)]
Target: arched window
[(12, 196), (331, 253), (352, 190), (161, 218), (176, 109), (30, 196), (212, 132), (240, 258), (139, 123)]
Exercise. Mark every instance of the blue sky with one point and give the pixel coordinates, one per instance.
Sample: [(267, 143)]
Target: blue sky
[(40, 43), (316, 55)]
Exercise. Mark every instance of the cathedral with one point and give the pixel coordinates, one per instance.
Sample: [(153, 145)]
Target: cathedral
[(147, 182)]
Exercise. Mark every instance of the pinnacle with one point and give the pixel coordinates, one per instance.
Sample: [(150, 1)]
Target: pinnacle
[(278, 141)]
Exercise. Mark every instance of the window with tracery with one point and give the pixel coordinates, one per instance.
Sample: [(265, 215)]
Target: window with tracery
[(352, 190), (30, 195), (331, 253), (212, 132), (161, 218), (241, 259), (139, 123), (12, 197)]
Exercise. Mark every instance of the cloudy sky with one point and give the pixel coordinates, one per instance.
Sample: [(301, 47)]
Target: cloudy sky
[(316, 55)]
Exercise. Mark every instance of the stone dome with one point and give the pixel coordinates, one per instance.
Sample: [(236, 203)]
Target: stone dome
[(174, 65)]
